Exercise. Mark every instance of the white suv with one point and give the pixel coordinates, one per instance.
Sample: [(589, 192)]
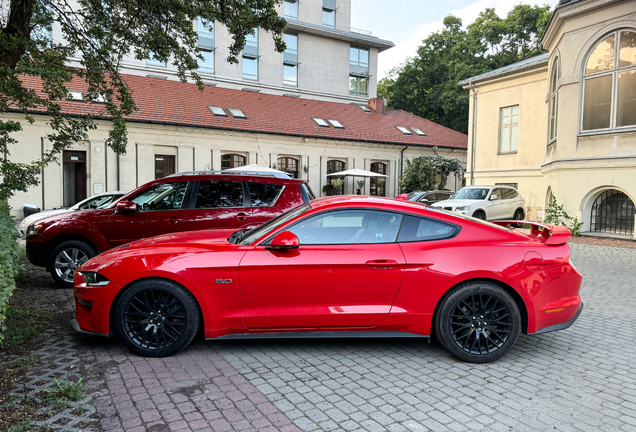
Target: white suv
[(486, 202)]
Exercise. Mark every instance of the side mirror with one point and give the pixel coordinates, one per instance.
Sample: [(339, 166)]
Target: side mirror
[(126, 207), (493, 197), (423, 200), (283, 241)]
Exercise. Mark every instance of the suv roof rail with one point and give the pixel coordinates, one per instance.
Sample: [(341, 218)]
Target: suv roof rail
[(240, 173)]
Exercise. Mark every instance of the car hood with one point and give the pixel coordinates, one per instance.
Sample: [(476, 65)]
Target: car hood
[(456, 203), (40, 215)]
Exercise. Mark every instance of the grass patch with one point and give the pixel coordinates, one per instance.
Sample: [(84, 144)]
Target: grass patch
[(20, 332), (65, 391)]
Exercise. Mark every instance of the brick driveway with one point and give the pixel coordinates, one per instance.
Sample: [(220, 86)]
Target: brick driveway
[(578, 379)]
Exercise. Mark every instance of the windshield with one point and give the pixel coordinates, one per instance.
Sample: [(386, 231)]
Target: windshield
[(270, 226), (472, 194)]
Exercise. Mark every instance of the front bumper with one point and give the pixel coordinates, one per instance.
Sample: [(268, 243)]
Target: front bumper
[(36, 249), (75, 325), (93, 307)]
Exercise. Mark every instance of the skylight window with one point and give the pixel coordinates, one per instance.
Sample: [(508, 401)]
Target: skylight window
[(320, 122), (418, 131), (217, 111), (237, 113), (98, 98), (75, 95), (365, 108), (336, 124), (404, 130)]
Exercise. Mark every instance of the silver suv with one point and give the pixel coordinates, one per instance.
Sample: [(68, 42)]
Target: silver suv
[(487, 202)]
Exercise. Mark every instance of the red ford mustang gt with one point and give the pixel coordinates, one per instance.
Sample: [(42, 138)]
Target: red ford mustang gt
[(339, 266)]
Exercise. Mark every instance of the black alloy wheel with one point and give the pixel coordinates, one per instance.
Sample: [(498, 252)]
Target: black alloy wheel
[(478, 322), (157, 317)]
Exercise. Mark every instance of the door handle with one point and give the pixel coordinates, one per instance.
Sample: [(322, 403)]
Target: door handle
[(382, 264), (241, 216), (174, 220)]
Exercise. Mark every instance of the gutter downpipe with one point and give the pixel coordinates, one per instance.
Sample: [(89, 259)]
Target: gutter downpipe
[(118, 176), (474, 133), (402, 164)]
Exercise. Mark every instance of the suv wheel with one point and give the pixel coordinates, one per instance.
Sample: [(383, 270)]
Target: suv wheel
[(479, 215), (67, 257)]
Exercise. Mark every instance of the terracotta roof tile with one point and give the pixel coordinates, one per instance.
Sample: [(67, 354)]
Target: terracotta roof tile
[(172, 102)]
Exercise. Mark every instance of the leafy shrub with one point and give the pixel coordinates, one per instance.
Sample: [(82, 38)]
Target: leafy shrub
[(9, 260), (556, 215)]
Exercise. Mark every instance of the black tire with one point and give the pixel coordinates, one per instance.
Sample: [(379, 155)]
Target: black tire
[(478, 322), (518, 216), (157, 318), (479, 215), (65, 258)]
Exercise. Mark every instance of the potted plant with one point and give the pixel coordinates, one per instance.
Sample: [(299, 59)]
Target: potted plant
[(337, 184), (326, 189), (360, 187)]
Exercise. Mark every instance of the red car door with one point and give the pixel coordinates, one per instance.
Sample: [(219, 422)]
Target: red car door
[(219, 204), (346, 273), (159, 212)]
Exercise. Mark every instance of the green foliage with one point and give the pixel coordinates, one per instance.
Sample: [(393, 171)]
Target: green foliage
[(9, 261), (429, 172), (65, 391), (427, 84), (361, 184), (556, 215), (100, 34)]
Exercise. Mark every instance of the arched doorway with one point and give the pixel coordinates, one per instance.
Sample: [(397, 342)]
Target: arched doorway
[(613, 212)]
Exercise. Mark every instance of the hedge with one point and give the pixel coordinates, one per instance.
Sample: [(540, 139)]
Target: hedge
[(9, 261)]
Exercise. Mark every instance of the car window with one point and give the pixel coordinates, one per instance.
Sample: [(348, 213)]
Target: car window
[(215, 194), (514, 192), (497, 192), (165, 196), (348, 227), (472, 193), (421, 229), (98, 202), (264, 194)]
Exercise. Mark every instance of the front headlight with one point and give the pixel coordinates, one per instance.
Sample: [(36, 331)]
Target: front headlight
[(33, 229), (94, 279), (464, 208)]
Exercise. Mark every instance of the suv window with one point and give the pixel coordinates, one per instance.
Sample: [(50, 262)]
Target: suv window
[(419, 229), (213, 193), (507, 193), (497, 192), (165, 196), (264, 194)]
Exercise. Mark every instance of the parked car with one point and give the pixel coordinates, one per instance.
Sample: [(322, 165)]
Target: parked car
[(487, 203), (96, 201), (338, 266), (429, 197), (182, 202)]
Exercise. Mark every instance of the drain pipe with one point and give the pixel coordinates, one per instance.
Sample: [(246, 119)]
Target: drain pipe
[(474, 132), (118, 176), (402, 164)]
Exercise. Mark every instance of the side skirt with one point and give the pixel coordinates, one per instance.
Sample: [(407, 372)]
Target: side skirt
[(324, 334)]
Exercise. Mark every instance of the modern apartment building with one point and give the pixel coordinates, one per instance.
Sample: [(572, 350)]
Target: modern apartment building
[(326, 59)]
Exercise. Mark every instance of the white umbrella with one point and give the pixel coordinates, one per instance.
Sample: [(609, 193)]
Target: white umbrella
[(355, 172)]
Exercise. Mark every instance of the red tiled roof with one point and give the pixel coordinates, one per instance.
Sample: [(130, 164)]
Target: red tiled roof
[(172, 102)]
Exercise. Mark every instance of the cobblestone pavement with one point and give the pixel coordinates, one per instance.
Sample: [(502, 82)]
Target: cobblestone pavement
[(579, 379)]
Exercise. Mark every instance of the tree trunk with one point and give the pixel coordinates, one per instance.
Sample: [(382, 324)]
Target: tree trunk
[(16, 36)]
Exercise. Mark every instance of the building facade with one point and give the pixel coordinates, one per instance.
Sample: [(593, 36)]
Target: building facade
[(563, 125), (326, 58)]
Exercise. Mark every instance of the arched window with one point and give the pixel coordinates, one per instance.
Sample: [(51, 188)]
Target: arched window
[(288, 165), (232, 161), (377, 185), (613, 213), (554, 100), (609, 83), (334, 166)]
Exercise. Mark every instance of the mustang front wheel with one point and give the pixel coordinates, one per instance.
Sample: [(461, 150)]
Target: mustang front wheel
[(478, 322), (157, 317)]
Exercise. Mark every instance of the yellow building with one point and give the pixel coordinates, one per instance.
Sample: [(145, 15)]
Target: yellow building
[(563, 124)]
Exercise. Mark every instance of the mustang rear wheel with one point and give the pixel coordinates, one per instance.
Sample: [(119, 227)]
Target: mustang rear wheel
[(478, 322), (156, 318)]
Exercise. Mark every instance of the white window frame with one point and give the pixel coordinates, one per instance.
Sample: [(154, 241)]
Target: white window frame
[(509, 126), (614, 73), (291, 16), (553, 107)]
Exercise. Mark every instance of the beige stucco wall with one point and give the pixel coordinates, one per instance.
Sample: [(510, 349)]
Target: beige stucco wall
[(578, 166), (198, 149)]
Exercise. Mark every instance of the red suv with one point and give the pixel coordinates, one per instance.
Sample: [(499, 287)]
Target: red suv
[(181, 202)]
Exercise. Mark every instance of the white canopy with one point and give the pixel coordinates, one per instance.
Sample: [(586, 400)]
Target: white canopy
[(355, 172)]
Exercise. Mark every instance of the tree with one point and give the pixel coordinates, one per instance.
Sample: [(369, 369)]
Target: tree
[(419, 175), (427, 84), (100, 33)]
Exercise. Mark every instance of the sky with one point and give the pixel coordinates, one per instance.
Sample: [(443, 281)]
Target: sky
[(407, 22)]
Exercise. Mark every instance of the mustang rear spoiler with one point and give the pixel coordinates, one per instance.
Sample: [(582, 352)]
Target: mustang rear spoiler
[(552, 235)]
